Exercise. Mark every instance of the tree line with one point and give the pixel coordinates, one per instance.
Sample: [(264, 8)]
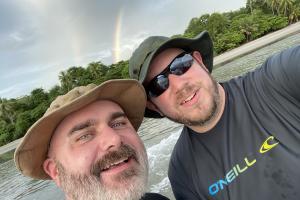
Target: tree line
[(17, 115), (232, 29), (228, 30)]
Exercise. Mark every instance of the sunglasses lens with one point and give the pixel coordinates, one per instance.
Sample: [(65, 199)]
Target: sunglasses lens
[(182, 64), (158, 85)]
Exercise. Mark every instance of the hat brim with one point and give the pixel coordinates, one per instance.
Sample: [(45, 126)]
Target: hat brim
[(32, 151), (201, 43)]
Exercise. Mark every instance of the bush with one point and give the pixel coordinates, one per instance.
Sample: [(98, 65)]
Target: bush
[(228, 41), (278, 22), (23, 122)]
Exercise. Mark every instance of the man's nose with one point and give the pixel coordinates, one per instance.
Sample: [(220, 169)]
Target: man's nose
[(175, 82), (109, 139)]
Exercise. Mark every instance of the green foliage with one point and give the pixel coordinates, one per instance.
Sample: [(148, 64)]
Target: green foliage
[(278, 22), (228, 40), (196, 26), (96, 72), (6, 133), (259, 17), (5, 138), (294, 15), (115, 70), (7, 113), (125, 69), (24, 121), (215, 24), (232, 14), (38, 111), (253, 5), (37, 97), (246, 25), (73, 77), (54, 92)]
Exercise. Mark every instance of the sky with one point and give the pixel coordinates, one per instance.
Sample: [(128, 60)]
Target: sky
[(41, 38)]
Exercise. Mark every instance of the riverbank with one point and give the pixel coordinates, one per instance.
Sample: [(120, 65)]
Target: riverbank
[(218, 61), (256, 44), (9, 147)]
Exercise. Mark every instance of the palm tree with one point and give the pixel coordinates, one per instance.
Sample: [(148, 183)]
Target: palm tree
[(96, 69), (274, 5), (6, 111), (294, 14), (249, 2), (286, 6), (65, 81)]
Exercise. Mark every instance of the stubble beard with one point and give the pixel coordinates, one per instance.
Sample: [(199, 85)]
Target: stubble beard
[(90, 186), (211, 113)]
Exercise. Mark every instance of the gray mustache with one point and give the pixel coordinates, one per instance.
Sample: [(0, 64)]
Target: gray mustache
[(124, 152)]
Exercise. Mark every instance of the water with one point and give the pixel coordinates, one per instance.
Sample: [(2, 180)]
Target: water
[(159, 136)]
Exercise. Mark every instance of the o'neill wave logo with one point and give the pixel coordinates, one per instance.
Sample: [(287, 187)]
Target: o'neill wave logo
[(267, 145), (213, 189)]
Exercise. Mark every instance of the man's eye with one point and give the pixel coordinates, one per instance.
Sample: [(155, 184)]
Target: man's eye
[(84, 137), (117, 124)]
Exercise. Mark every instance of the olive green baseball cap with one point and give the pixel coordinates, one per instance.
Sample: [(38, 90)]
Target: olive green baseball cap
[(141, 58)]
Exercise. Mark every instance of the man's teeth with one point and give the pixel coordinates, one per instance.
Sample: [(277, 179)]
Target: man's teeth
[(189, 98), (114, 164)]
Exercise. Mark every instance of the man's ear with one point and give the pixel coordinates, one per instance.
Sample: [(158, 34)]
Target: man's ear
[(50, 168), (150, 105), (197, 56)]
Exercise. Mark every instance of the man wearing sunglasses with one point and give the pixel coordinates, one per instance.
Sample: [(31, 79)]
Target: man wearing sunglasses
[(241, 138)]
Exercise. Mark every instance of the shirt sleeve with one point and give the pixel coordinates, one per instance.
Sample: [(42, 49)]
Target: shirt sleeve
[(283, 72)]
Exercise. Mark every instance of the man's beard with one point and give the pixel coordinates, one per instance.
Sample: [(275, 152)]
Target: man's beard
[(211, 113), (132, 182)]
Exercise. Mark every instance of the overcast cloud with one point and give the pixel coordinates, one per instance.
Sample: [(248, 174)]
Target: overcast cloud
[(40, 38)]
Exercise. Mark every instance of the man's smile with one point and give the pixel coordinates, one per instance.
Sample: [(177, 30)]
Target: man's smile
[(191, 99), (115, 161), (117, 166)]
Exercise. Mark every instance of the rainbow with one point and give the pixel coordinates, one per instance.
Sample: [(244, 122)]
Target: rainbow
[(117, 37)]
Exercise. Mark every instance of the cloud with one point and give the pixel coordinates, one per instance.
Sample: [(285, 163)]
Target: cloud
[(6, 91), (40, 38), (161, 5), (17, 90), (16, 36), (130, 43), (9, 20)]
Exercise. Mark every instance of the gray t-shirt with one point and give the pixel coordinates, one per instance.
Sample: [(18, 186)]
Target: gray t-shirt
[(253, 153)]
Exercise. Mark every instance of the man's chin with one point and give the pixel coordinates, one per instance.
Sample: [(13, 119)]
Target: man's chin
[(192, 119), (125, 188), (120, 179)]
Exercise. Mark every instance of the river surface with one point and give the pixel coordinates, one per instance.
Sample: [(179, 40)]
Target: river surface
[(159, 137)]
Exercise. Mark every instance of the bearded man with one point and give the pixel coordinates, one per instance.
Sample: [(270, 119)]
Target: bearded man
[(87, 143)]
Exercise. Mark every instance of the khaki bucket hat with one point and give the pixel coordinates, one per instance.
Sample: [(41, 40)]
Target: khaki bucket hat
[(32, 150)]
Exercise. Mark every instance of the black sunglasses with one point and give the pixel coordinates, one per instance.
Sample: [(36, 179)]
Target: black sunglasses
[(160, 83)]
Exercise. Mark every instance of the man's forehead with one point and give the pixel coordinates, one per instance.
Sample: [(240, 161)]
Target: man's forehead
[(103, 106), (98, 110), (166, 55)]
